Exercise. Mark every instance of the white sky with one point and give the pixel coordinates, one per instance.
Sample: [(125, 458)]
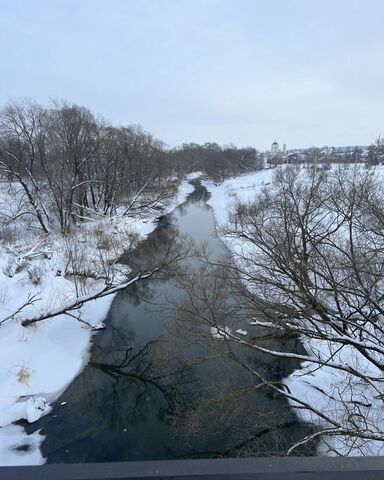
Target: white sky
[(306, 72)]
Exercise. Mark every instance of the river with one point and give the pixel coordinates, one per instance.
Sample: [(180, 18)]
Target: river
[(158, 385)]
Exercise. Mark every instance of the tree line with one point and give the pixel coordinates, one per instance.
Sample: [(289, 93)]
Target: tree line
[(70, 163), (217, 162)]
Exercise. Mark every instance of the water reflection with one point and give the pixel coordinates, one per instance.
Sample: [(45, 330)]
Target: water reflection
[(158, 385)]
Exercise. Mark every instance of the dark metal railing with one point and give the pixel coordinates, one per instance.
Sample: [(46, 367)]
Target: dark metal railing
[(292, 468)]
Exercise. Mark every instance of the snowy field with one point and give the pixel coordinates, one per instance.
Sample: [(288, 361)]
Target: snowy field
[(313, 384), (38, 362)]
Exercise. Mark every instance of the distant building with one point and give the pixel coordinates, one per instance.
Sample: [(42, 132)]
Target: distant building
[(294, 158), (274, 148), (347, 154), (277, 154)]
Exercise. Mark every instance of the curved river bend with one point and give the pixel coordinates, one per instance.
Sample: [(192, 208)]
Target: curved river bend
[(158, 385)]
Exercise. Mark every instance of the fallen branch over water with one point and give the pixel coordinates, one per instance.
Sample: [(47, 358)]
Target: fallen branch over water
[(79, 302)]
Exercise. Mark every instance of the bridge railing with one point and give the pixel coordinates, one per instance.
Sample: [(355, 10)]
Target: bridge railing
[(290, 468)]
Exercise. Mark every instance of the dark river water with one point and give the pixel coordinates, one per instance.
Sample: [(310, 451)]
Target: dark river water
[(158, 384)]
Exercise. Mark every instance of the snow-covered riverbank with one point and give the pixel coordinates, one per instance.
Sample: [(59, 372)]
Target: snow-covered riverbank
[(243, 188), (38, 362), (323, 387)]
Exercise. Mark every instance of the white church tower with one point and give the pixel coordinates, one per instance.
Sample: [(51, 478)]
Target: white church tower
[(275, 148), (277, 154)]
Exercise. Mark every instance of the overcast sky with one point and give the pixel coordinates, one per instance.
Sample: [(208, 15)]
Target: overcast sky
[(304, 72)]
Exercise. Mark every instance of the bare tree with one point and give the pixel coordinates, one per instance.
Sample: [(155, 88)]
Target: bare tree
[(72, 166), (132, 171), (308, 264), (310, 259), (22, 139), (74, 138)]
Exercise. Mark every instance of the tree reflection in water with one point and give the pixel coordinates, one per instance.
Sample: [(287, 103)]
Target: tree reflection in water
[(158, 385)]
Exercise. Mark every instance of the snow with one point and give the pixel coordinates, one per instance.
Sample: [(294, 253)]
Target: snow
[(31, 408), (221, 333), (322, 387), (18, 448), (144, 227), (40, 361), (243, 188), (242, 332)]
